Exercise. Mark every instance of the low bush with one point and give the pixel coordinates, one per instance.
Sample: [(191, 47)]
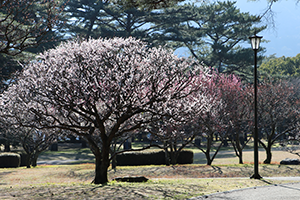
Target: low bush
[(185, 157), (151, 158), (23, 157), (9, 160)]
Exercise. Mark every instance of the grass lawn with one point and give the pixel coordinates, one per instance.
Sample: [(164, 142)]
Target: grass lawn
[(173, 182), (72, 181)]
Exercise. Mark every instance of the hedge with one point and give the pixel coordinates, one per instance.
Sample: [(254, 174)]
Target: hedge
[(8, 160), (151, 158)]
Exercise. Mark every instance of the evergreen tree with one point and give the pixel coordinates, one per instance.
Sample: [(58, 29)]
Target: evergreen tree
[(86, 18), (213, 34), (147, 4)]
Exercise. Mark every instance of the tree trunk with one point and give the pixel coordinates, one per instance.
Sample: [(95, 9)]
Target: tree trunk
[(100, 172), (208, 148), (102, 164), (269, 155), (174, 157), (28, 160), (238, 146), (167, 155), (7, 147), (208, 160), (241, 158), (34, 159)]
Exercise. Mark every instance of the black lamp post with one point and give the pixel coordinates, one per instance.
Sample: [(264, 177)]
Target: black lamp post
[(255, 40)]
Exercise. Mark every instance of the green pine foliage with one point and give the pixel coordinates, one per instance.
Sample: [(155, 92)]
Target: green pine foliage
[(213, 33)]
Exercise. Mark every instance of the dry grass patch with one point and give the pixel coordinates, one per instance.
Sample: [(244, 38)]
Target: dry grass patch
[(166, 182)]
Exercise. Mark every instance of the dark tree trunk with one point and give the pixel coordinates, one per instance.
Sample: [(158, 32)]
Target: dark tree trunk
[(100, 172), (173, 157), (208, 160), (34, 159), (7, 147), (238, 146), (269, 155), (167, 155), (241, 158), (208, 148), (28, 160), (102, 164)]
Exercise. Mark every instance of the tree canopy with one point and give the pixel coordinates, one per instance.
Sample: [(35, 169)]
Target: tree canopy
[(282, 66), (147, 4), (213, 34), (101, 89)]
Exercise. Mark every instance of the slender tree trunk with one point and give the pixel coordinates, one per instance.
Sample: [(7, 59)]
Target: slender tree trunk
[(34, 159), (268, 154), (7, 147), (28, 160), (241, 158), (167, 155), (208, 148), (238, 146), (173, 153), (208, 160)]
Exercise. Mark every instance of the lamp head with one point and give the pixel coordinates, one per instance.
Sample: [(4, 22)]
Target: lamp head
[(255, 41)]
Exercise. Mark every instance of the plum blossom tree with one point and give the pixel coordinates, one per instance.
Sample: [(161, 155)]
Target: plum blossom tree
[(213, 122), (236, 111), (278, 111), (100, 90), (33, 141), (175, 130)]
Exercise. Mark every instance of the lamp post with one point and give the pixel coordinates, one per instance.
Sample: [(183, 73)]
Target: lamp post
[(255, 40)]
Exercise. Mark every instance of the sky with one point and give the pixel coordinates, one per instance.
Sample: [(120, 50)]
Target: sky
[(281, 38), (284, 37)]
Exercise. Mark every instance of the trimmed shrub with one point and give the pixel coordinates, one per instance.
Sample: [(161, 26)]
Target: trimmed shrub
[(151, 158), (141, 158), (8, 160), (185, 157), (23, 157)]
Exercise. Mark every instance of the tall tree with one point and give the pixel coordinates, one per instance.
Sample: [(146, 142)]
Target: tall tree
[(100, 90), (147, 4), (213, 34), (104, 19)]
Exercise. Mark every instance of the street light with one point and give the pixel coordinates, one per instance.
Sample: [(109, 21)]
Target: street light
[(255, 40)]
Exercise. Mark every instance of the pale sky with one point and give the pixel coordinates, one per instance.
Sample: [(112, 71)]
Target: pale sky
[(284, 37)]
